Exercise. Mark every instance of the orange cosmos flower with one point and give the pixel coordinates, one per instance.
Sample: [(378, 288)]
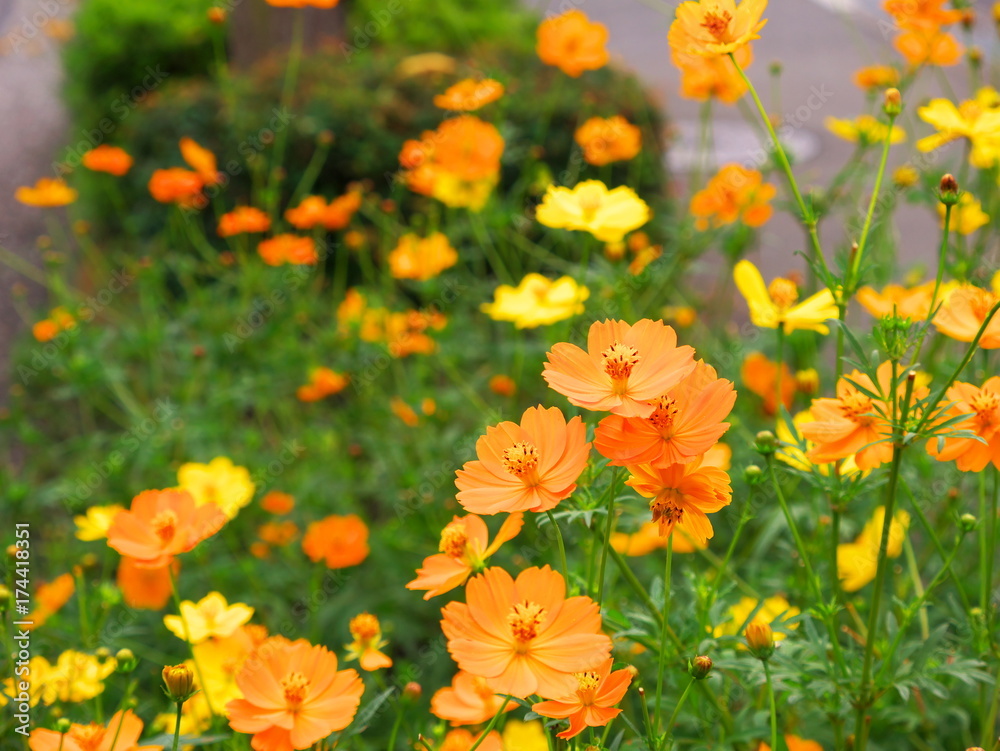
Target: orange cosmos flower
[(572, 43), (46, 193), (607, 140), (921, 14), (592, 703), (161, 524), (201, 160), (963, 315), (59, 320), (110, 159), (929, 46), (523, 636), (794, 743), (277, 502), (685, 423), (624, 370), (243, 219), (734, 194), (647, 539), (303, 3), (468, 148), (315, 212), (465, 548), (707, 77), (177, 185), (120, 734), (368, 642), (461, 739), (295, 696), (421, 258), (503, 385), (341, 541), (278, 533), (876, 77), (49, 599), (982, 405), (526, 467), (682, 496), (760, 375), (855, 423), (323, 382), (468, 701), (913, 303), (288, 249), (711, 28), (469, 95), (142, 587)]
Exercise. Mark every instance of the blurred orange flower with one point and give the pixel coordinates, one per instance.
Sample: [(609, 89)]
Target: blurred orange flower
[(420, 258), (295, 696), (276, 502), (686, 422), (607, 140), (502, 385), (46, 193), (734, 194), (278, 533), (982, 405), (572, 43), (110, 159), (120, 734), (59, 320), (243, 219), (303, 4), (526, 467), (913, 303), (177, 185), (876, 77), (760, 375), (368, 642), (794, 743), (49, 599), (964, 313), (404, 412), (465, 548), (340, 541), (142, 587), (469, 95), (707, 77), (716, 27), (323, 382), (468, 701), (161, 524), (682, 496), (288, 249), (624, 370), (314, 212), (523, 636), (201, 160), (592, 703)]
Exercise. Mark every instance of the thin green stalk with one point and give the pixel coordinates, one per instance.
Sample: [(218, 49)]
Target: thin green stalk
[(187, 638), (607, 535), (779, 357), (799, 543), (395, 730), (668, 728), (493, 724), (918, 586), (942, 258), (852, 276), (713, 592), (177, 723), (560, 544), (291, 75), (650, 742), (991, 547), (773, 706), (989, 725), (661, 662)]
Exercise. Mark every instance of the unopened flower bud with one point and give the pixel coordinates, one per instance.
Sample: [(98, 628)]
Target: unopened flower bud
[(125, 661), (753, 474), (893, 104), (102, 653), (412, 691), (968, 522), (975, 56), (948, 190), (324, 137), (4, 598), (807, 381), (633, 671), (760, 639), (765, 443), (217, 15), (699, 667), (179, 682), (968, 19), (776, 68), (63, 725)]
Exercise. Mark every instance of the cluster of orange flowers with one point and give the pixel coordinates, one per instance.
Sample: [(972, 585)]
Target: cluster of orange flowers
[(923, 37), (403, 334), (47, 329)]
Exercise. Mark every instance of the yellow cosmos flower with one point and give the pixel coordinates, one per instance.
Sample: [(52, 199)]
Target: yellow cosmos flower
[(857, 561), (421, 258), (773, 610), (537, 301), (647, 539), (46, 193), (715, 27), (967, 216), (775, 305), (524, 736), (458, 193), (220, 482), (977, 119), (792, 455), (864, 129), (95, 523), (210, 616), (75, 677), (608, 215)]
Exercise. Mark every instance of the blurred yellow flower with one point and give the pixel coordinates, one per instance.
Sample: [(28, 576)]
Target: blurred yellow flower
[(966, 217), (75, 677), (210, 616), (220, 482), (537, 301), (905, 176), (95, 523), (773, 610), (977, 120), (647, 539), (857, 561), (47, 193), (459, 193), (775, 305), (469, 95), (864, 129), (608, 215), (524, 736), (421, 258)]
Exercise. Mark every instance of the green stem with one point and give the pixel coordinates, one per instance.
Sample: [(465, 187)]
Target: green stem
[(799, 543), (291, 75), (852, 276), (608, 531), (187, 638), (395, 730), (668, 728), (177, 725), (661, 666), (773, 705), (779, 357), (493, 724), (918, 586), (942, 258), (561, 545)]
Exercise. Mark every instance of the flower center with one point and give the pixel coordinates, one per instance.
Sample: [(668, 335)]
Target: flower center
[(783, 292), (88, 737), (857, 407), (981, 303), (296, 687), (590, 202), (667, 511), (454, 540), (665, 413), (520, 459), (587, 684), (365, 627), (717, 23), (985, 404), (525, 619), (165, 525), (619, 359)]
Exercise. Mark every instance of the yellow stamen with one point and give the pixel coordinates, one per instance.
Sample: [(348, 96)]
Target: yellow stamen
[(454, 540), (783, 292), (520, 459), (296, 687), (525, 620)]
